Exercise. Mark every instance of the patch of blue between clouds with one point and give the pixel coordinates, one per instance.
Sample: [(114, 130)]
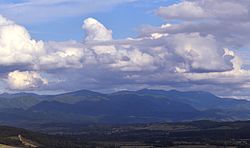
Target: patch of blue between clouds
[(124, 20)]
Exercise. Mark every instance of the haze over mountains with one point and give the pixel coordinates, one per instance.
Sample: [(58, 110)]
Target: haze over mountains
[(143, 106)]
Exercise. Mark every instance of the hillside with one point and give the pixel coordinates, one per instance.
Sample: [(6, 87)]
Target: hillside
[(19, 138)]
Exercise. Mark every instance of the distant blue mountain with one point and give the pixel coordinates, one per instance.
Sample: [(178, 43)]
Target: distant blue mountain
[(199, 99), (121, 107), (78, 96), (130, 107)]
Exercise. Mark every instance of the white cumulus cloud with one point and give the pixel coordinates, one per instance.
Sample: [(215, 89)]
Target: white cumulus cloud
[(25, 80), (16, 45)]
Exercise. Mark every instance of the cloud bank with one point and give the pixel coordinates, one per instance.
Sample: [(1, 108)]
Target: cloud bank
[(200, 52)]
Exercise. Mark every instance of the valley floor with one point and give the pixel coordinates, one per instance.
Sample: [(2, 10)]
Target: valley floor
[(198, 134)]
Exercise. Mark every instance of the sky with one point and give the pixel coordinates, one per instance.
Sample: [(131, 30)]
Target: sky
[(51, 46), (109, 13)]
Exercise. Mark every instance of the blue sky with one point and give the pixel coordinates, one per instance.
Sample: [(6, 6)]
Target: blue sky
[(124, 19)]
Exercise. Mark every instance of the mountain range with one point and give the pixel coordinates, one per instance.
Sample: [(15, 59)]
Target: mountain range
[(143, 106)]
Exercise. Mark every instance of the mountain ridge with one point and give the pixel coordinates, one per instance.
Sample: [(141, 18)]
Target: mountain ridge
[(146, 105)]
